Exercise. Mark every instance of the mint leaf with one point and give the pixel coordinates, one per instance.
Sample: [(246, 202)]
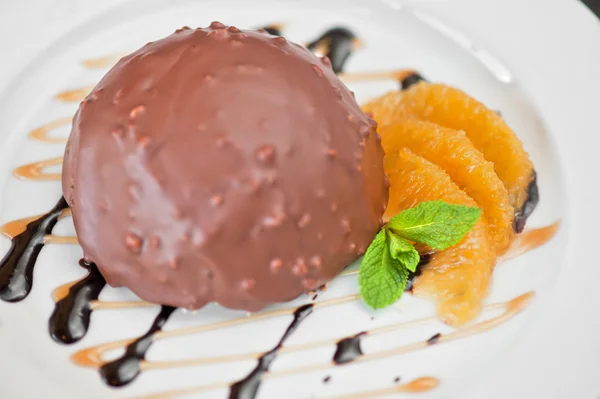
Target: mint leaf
[(435, 223), (381, 277), (403, 251), (385, 267)]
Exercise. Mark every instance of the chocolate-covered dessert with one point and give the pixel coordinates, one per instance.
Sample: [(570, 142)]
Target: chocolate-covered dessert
[(223, 165)]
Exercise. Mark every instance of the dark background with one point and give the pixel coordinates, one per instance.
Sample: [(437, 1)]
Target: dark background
[(594, 5)]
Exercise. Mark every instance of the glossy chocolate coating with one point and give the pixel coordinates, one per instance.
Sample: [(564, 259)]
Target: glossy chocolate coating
[(223, 165)]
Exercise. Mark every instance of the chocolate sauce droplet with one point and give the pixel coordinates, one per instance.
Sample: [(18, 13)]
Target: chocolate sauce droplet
[(339, 44), (424, 259), (348, 349), (434, 339), (16, 268), (273, 30), (125, 369), (70, 319), (247, 388), (533, 197), (411, 80)]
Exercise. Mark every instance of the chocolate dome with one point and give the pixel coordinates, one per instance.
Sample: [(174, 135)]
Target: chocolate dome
[(223, 165)]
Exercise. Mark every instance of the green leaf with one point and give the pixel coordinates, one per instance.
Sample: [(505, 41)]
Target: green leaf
[(436, 223), (403, 251), (381, 278)]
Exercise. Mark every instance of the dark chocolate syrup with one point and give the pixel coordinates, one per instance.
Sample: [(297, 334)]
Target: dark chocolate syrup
[(248, 387), (70, 319), (425, 258), (125, 369), (411, 80), (348, 349), (272, 30), (533, 197), (339, 44), (16, 268), (434, 339)]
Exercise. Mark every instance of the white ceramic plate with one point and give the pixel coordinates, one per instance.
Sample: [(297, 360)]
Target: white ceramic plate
[(395, 36)]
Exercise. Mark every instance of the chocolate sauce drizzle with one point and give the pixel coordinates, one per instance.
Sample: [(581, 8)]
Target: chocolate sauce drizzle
[(348, 349), (533, 197), (434, 339), (70, 319), (16, 268), (247, 388), (411, 80), (339, 44), (424, 259), (272, 30), (125, 369)]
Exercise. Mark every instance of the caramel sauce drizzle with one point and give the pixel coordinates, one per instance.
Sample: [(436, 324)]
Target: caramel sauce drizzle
[(102, 62), (92, 357), (107, 305), (61, 292), (531, 239), (75, 95), (154, 365), (418, 385), (16, 227), (53, 239), (42, 133), (510, 309), (396, 75), (35, 171)]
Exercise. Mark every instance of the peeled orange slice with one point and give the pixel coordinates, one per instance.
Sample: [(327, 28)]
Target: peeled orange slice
[(453, 108), (458, 278), (452, 151)]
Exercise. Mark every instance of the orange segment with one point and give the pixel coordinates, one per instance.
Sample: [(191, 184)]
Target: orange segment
[(457, 279), (452, 151), (453, 108)]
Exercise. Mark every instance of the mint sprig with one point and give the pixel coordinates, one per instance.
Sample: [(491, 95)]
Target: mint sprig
[(381, 278), (391, 256)]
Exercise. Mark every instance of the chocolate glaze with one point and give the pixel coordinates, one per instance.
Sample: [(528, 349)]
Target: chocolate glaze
[(533, 197), (248, 387), (16, 268), (223, 165), (348, 349), (338, 42), (125, 369), (70, 319)]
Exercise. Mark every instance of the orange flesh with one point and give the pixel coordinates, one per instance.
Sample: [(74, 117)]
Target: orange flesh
[(452, 151), (457, 279), (453, 108)]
